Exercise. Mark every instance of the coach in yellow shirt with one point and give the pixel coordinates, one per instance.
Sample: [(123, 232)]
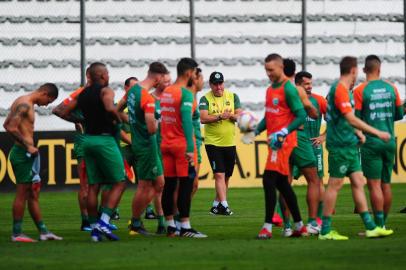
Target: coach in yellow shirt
[(219, 109)]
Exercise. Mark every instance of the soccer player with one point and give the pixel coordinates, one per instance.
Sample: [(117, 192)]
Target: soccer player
[(219, 110), (377, 102), (104, 163), (77, 117), (141, 114), (343, 138), (178, 148), (284, 113), (156, 94), (312, 129), (25, 160), (196, 86), (300, 158)]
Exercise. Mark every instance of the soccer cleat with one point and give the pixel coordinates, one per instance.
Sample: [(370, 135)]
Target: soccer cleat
[(22, 238), (332, 235), (264, 234), (403, 211), (378, 232), (95, 235), (149, 214), (139, 231), (116, 215), (300, 233), (112, 227), (191, 233), (225, 211), (215, 210), (49, 236), (277, 220), (85, 226), (313, 230), (171, 231), (160, 230), (104, 229), (287, 232)]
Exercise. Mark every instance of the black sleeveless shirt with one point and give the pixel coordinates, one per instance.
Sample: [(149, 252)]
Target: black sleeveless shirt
[(96, 119)]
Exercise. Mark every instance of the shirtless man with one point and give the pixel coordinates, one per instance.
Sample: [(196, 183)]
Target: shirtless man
[(24, 158)]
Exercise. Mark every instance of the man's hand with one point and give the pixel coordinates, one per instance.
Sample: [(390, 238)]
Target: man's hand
[(361, 137), (384, 136), (226, 115), (190, 156), (318, 140), (33, 151), (276, 139), (248, 137)]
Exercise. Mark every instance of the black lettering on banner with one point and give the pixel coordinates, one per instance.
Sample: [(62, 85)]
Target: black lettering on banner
[(402, 162), (395, 165), (258, 174), (239, 166)]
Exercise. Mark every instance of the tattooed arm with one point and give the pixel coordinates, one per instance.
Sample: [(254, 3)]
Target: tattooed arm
[(66, 111), (12, 125)]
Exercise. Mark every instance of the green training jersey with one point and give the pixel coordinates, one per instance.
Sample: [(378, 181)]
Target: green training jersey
[(140, 102), (378, 104), (312, 126), (339, 132)]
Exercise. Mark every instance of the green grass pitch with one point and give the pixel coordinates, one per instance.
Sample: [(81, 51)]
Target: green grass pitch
[(231, 243)]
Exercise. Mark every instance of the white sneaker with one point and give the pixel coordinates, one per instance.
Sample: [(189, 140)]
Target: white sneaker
[(287, 232), (313, 230), (49, 236)]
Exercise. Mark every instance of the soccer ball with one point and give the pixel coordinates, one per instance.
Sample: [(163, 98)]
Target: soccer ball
[(247, 121)]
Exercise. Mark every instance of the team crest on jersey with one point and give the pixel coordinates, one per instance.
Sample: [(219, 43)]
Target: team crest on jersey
[(228, 103), (275, 101)]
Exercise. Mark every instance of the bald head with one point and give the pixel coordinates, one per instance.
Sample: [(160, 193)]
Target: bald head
[(98, 73)]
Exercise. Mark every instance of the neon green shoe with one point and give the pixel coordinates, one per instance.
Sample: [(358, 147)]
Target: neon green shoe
[(378, 232), (332, 235)]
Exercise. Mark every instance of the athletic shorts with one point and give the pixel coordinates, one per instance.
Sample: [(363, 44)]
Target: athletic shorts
[(343, 161), (278, 160), (175, 162), (378, 160), (148, 165), (221, 158), (77, 147), (104, 163), (128, 154), (318, 154), (24, 167), (302, 156)]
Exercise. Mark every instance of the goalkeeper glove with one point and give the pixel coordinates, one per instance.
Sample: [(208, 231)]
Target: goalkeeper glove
[(276, 139)]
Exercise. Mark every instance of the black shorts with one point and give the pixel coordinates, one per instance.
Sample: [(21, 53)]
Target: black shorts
[(222, 158)]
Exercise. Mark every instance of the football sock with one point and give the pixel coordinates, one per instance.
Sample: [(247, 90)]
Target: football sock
[(320, 210), (85, 218), (92, 221), (268, 183), (136, 222), (379, 218), (161, 221), (385, 216), (41, 227), (185, 225), (167, 195), (17, 226), (171, 223), (149, 208), (268, 226), (224, 203), (367, 219), (106, 214), (215, 203), (286, 224), (185, 196), (279, 209), (326, 225)]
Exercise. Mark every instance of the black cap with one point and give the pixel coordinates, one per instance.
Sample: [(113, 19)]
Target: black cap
[(216, 77)]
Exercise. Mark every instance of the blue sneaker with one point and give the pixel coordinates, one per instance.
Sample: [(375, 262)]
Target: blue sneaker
[(103, 228), (96, 236), (112, 227)]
